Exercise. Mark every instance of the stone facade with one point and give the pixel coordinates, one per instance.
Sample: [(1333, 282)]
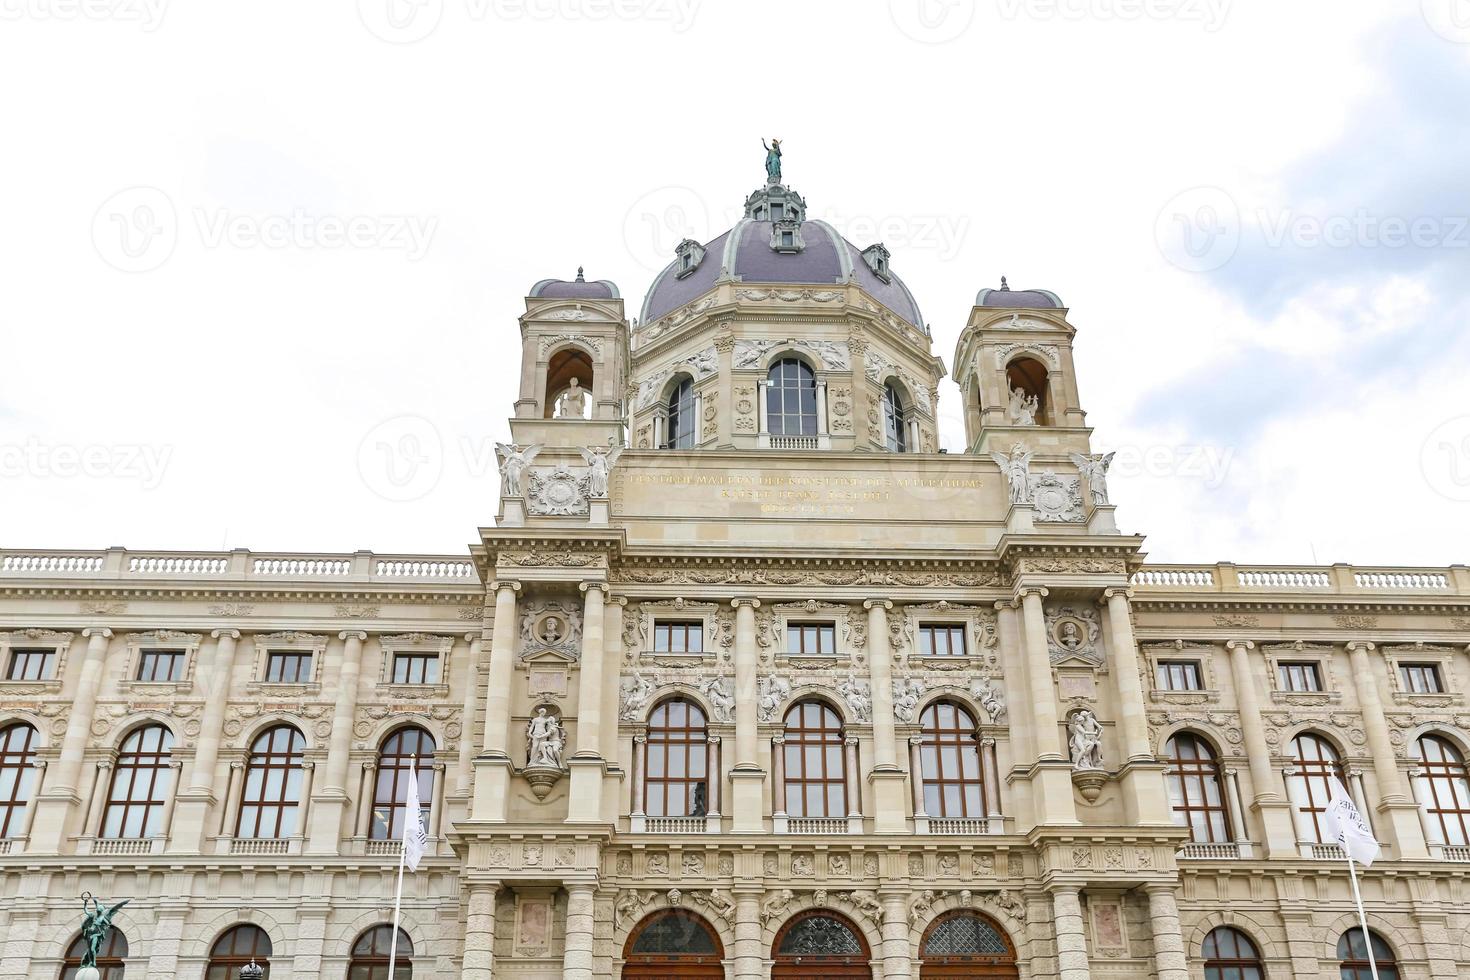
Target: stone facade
[(1059, 643)]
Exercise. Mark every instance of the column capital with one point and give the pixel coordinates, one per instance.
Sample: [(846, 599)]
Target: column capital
[(615, 600), (104, 764), (588, 587), (872, 603), (369, 765), (1125, 591), (101, 631), (219, 634), (640, 738), (987, 741), (308, 764), (1232, 645), (916, 740), (1159, 888), (1005, 605), (358, 635), (1355, 645), (477, 636), (1025, 592), (712, 739), (237, 764), (437, 767), (851, 741), (505, 583), (778, 739), (745, 600)]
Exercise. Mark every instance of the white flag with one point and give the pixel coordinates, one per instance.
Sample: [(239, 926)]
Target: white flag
[(415, 840), (1346, 825)]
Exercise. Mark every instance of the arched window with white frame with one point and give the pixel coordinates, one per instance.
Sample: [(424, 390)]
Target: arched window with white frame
[(1314, 765), (1442, 786)]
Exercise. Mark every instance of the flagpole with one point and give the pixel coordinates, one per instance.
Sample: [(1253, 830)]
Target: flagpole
[(398, 894), (1362, 916)]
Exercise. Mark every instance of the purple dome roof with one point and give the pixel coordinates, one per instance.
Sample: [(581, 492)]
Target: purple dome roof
[(745, 253), (1006, 298), (578, 288)]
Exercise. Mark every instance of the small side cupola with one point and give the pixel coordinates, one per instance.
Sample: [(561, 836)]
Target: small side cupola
[(876, 257)]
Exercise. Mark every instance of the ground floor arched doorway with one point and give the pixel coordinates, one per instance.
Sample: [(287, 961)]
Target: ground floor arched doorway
[(673, 945), (969, 945), (820, 945)]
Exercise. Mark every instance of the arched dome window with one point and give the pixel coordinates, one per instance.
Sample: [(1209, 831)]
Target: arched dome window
[(17, 776), (271, 799), (1196, 789), (1314, 766), (819, 943), (682, 424), (141, 782), (1443, 790), (408, 749), (1230, 955), (791, 399), (895, 421), (240, 946)]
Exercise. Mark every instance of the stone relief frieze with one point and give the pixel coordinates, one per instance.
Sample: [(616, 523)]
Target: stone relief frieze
[(907, 693), (747, 575), (1057, 499), (772, 693), (591, 344), (551, 625), (560, 491), (858, 695), (830, 354), (1073, 633)]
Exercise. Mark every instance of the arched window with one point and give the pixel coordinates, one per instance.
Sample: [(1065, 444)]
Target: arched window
[(895, 421), (272, 794), (682, 423), (966, 944), (819, 943), (140, 784), (390, 798), (1230, 955), (565, 366), (240, 946), (370, 955), (17, 776), (791, 399), (1197, 789), (110, 958), (676, 780), (1445, 790), (1026, 392), (1314, 766), (950, 760), (1352, 956), (815, 769), (673, 943)]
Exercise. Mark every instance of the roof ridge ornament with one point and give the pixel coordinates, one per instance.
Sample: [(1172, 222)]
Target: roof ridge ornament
[(1005, 286), (581, 275)]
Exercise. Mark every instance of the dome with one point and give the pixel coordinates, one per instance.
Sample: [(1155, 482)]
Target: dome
[(748, 253), (578, 288), (1006, 298)]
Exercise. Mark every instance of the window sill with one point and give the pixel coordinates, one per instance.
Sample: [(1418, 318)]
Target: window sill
[(812, 661), (1201, 696), (1427, 700), (281, 689), (414, 692), (934, 661), (157, 688), (1306, 697), (33, 688), (665, 658)]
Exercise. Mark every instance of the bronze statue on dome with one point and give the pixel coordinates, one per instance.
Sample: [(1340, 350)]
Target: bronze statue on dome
[(773, 161)]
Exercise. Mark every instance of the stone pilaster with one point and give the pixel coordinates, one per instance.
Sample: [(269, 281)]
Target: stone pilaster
[(1274, 810), (890, 815), (1397, 808), (586, 764), (748, 955), (1145, 796), (464, 768), (746, 778), (328, 808), (55, 810), (493, 766), (191, 817), (1051, 773)]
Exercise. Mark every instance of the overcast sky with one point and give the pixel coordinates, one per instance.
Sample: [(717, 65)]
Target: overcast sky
[(247, 246)]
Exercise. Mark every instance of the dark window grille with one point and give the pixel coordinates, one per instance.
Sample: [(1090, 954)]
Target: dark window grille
[(675, 933), (820, 935), (962, 935)]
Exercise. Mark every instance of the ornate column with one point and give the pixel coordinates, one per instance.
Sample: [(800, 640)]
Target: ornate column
[(640, 764), (436, 805), (713, 781), (853, 787), (897, 954), (1399, 811), (479, 932), (1071, 941), (325, 830), (612, 635), (586, 764), (1237, 805), (887, 779), (916, 783), (234, 783), (1274, 810), (165, 825), (39, 765), (1145, 796), (463, 768), (1013, 664), (747, 780), (194, 801), (56, 806), (308, 810), (778, 783), (366, 800), (1170, 962), (101, 783), (493, 766), (1051, 773), (989, 760), (748, 955), (577, 960)]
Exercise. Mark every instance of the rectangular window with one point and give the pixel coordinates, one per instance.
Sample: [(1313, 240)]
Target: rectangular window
[(811, 638), (287, 667), (1299, 677), (1178, 675), (415, 668), (941, 640), (678, 636), (30, 665), (161, 665), (1421, 678)]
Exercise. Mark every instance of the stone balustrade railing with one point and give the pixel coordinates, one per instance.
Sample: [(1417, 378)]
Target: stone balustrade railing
[(1306, 579), (237, 566)]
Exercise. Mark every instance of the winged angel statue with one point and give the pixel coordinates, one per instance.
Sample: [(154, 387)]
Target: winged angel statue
[(514, 461)]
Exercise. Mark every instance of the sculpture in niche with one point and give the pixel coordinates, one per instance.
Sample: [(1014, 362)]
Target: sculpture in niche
[(859, 698), (1094, 470), (721, 702), (573, 402), (991, 697), (514, 461), (545, 740), (1016, 467), (551, 625), (1072, 634), (1084, 736), (771, 694), (560, 492), (637, 691), (599, 467), (1057, 498), (1023, 407)]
